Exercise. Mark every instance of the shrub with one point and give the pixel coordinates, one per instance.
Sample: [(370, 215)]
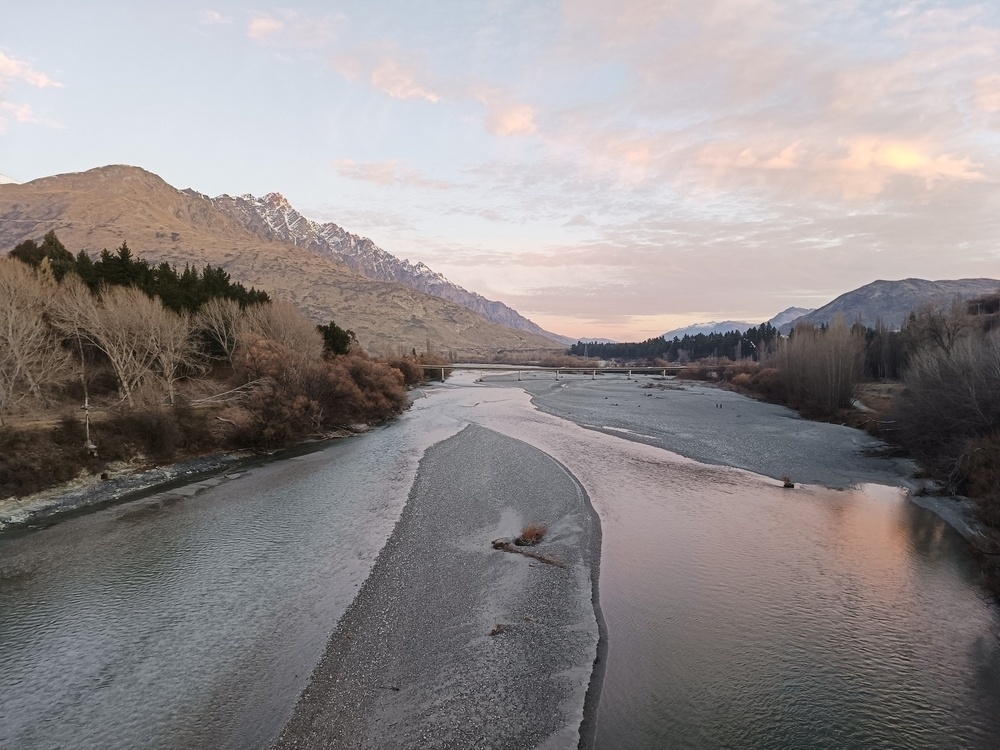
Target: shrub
[(301, 397), (413, 373), (567, 360), (531, 535), (33, 460), (952, 396)]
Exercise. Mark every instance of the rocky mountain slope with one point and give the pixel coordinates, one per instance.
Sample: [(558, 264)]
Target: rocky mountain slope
[(789, 315), (892, 301), (103, 207), (274, 218)]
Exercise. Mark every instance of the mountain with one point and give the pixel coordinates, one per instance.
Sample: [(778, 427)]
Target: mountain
[(789, 315), (5, 180), (103, 207), (892, 301), (273, 218), (711, 327)]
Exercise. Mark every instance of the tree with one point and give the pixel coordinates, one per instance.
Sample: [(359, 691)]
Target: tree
[(123, 326), (31, 359), (821, 367), (336, 340), (171, 337), (73, 309), (280, 321), (219, 321)]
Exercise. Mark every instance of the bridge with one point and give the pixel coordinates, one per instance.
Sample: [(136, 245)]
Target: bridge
[(526, 370)]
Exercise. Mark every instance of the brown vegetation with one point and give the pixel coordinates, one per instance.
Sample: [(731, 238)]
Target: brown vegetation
[(820, 368), (260, 372), (568, 361), (531, 535)]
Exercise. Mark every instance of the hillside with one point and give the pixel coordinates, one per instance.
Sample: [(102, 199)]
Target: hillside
[(103, 207), (789, 315), (892, 301), (274, 218), (706, 328)]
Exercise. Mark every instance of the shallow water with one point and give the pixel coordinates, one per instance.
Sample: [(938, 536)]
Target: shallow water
[(179, 621), (739, 614)]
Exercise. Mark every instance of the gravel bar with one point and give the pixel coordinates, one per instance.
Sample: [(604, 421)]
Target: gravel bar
[(452, 644)]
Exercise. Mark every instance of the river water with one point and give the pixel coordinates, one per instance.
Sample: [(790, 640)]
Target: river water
[(739, 614)]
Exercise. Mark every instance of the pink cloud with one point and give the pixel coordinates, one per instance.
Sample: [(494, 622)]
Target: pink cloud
[(292, 29), (388, 173), (987, 93), (387, 70), (262, 27), (12, 71), (17, 70), (515, 119), (400, 81)]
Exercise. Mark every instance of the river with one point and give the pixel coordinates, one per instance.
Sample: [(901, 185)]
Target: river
[(738, 613)]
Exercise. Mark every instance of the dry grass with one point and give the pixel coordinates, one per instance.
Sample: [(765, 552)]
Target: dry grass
[(531, 535)]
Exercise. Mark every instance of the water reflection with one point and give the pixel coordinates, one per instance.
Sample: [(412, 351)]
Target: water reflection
[(812, 618)]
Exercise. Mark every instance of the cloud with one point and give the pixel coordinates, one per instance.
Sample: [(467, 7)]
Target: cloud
[(212, 17), (400, 81), (12, 72), (387, 70), (514, 119), (291, 29), (403, 76), (987, 94), (12, 69), (389, 173), (263, 27)]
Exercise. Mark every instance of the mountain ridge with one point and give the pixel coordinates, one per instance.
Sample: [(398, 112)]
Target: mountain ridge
[(272, 216), (890, 302)]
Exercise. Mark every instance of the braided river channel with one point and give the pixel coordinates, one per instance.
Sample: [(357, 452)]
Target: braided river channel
[(736, 613)]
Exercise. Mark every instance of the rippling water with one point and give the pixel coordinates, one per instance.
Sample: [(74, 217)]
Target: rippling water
[(175, 621), (739, 614)]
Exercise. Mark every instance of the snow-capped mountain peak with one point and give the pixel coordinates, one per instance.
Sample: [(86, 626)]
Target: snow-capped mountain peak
[(273, 218)]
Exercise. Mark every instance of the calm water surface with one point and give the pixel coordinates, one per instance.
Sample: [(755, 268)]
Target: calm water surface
[(740, 615)]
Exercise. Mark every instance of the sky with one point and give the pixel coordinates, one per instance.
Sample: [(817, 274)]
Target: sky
[(607, 168)]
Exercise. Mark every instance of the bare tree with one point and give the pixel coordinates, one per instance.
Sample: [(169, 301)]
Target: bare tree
[(122, 326), (172, 338), (932, 326), (31, 358), (281, 322), (821, 368), (220, 319), (72, 310), (951, 395)]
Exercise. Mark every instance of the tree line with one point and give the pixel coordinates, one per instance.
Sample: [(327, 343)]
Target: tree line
[(184, 291), (729, 345)]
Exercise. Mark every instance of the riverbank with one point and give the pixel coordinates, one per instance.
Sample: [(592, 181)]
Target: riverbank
[(453, 643), (123, 482), (716, 426)]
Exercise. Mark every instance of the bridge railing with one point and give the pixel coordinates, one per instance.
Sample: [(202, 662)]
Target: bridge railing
[(524, 370)]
